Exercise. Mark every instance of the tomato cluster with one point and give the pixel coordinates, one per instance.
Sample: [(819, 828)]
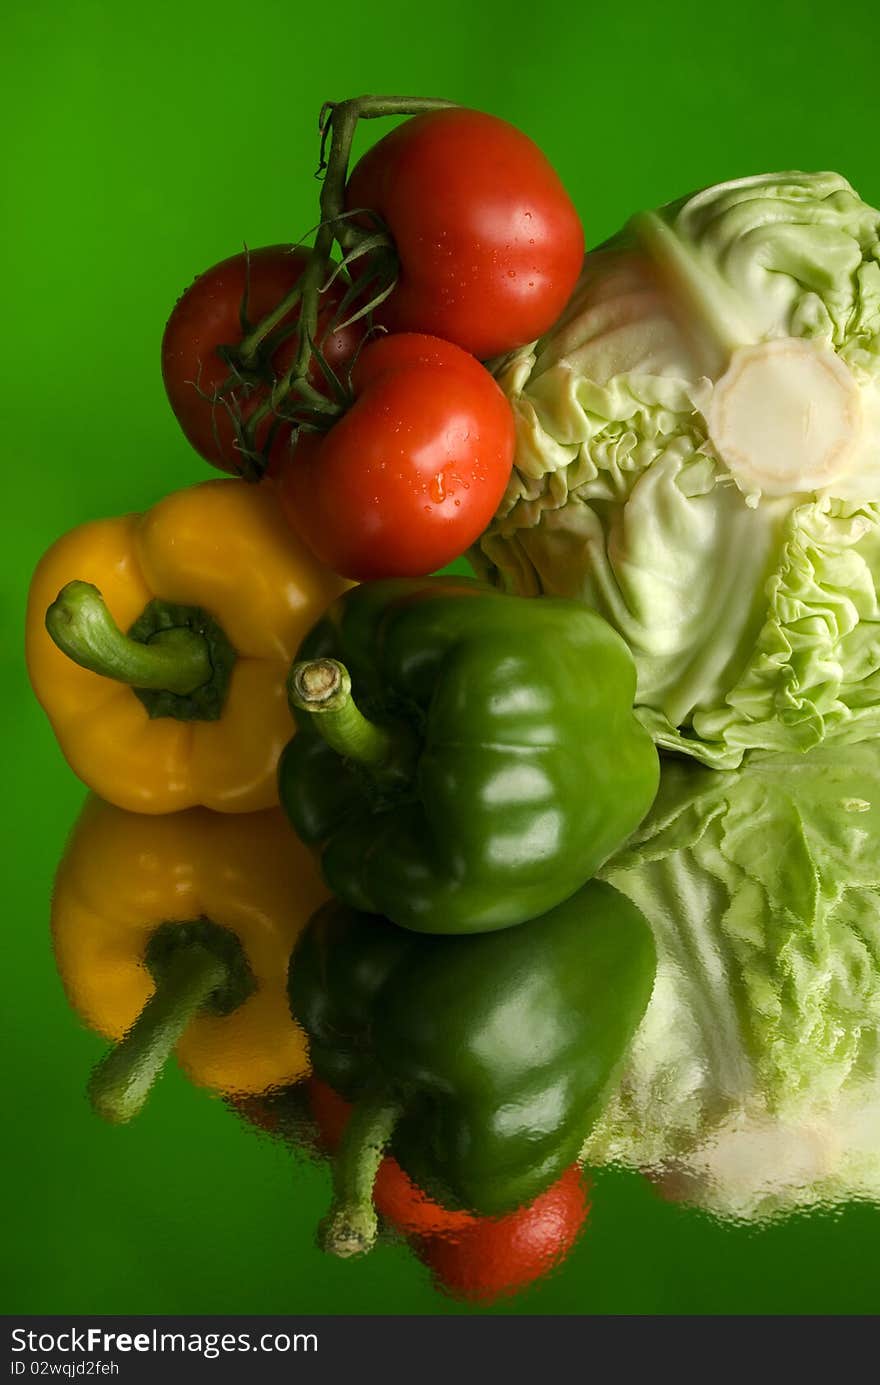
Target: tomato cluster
[(354, 385)]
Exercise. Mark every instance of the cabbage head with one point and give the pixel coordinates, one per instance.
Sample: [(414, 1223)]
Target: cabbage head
[(752, 1087), (699, 459)]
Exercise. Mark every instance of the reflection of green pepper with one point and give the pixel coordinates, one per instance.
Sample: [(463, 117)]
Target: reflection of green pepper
[(474, 757), (481, 1062)]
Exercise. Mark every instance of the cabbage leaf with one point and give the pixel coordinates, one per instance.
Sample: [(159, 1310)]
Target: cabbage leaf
[(753, 1084), (698, 457)]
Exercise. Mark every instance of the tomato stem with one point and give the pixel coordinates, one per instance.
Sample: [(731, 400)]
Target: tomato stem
[(247, 351), (337, 124)]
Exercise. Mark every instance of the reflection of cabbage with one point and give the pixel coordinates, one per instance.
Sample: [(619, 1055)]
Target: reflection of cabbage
[(753, 1084), (699, 458)]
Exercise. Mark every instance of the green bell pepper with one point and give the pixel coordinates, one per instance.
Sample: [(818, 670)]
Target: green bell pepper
[(465, 759), (481, 1063)]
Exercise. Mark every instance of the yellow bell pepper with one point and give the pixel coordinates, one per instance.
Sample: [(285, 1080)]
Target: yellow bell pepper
[(175, 932), (190, 707)]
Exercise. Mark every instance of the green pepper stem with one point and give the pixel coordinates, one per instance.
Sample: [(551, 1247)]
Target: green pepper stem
[(323, 688), (121, 1082), (350, 1226), (79, 622)]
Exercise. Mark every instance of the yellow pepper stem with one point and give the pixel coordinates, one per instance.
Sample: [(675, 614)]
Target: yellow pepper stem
[(323, 687), (351, 1225), (176, 660), (121, 1082)]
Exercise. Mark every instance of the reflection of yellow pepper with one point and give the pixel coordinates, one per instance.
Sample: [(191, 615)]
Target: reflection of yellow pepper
[(189, 707), (177, 930)]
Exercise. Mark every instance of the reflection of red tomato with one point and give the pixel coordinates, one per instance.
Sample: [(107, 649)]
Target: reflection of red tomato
[(412, 474), (500, 1255), (395, 1195), (488, 240), (259, 1111), (404, 1205), (202, 389), (330, 1113)]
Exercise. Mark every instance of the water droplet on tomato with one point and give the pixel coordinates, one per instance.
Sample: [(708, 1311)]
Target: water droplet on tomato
[(438, 488)]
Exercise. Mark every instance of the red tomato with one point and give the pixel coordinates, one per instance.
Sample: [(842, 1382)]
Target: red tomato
[(412, 474), (488, 240), (497, 1256), (208, 316), (397, 1198)]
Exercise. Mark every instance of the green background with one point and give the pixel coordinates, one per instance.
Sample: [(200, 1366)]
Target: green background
[(143, 146)]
